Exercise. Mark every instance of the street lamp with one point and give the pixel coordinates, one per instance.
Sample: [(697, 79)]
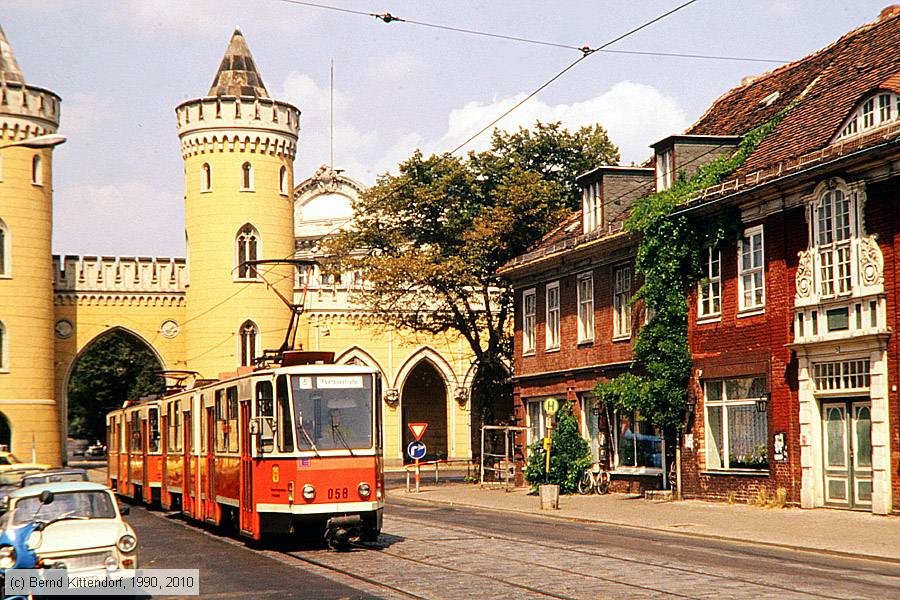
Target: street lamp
[(42, 141)]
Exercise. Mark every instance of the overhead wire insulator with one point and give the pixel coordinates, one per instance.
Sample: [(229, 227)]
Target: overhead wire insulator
[(386, 17), (585, 50)]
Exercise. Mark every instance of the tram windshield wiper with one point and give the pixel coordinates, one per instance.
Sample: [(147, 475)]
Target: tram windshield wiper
[(336, 429), (311, 443)]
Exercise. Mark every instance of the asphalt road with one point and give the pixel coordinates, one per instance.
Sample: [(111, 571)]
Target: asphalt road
[(228, 568)]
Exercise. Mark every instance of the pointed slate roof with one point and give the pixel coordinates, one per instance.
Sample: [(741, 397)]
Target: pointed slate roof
[(237, 75), (9, 68)]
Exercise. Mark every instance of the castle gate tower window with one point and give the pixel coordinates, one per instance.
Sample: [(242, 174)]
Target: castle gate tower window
[(206, 178), (249, 336), (238, 132), (247, 177), (247, 250), (3, 351), (4, 250), (424, 400), (28, 397)]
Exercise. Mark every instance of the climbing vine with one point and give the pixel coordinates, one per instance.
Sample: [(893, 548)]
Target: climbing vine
[(669, 260)]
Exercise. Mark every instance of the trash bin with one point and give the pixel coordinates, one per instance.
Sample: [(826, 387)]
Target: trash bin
[(549, 497)]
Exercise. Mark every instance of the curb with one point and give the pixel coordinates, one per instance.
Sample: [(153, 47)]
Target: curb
[(689, 534)]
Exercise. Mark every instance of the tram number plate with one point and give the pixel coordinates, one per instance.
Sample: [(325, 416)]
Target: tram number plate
[(338, 493)]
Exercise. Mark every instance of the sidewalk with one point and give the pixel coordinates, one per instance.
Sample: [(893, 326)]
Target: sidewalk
[(822, 530)]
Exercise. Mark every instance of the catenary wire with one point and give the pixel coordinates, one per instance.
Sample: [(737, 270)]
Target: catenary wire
[(389, 18)]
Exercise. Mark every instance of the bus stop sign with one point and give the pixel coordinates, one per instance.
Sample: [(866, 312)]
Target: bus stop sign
[(551, 405), (416, 450)]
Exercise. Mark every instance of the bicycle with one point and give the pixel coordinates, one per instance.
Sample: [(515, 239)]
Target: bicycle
[(594, 479)]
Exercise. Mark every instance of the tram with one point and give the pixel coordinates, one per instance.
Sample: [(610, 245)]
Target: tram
[(291, 448)]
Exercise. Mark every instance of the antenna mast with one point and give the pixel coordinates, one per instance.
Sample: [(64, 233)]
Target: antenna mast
[(331, 133)]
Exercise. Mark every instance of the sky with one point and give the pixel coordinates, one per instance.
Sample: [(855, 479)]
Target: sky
[(121, 67)]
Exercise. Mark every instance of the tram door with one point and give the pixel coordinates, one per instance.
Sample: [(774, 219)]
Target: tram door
[(187, 490), (164, 457), (145, 462), (246, 471), (209, 512)]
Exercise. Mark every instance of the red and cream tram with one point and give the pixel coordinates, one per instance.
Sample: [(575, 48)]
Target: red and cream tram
[(292, 448)]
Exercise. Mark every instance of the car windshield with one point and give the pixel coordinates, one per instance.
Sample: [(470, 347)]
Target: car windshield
[(90, 505), (53, 478), (8, 459), (333, 411)]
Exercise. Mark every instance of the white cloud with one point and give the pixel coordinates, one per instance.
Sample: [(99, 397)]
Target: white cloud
[(397, 66), (634, 114), (130, 218)]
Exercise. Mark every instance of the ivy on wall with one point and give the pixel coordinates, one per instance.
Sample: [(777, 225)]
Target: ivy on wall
[(669, 258)]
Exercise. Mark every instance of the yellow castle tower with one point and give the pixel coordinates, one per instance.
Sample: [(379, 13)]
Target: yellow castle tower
[(29, 117), (238, 146)]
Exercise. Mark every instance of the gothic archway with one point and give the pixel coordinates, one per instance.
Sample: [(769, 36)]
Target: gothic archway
[(423, 399), (115, 366), (5, 433)]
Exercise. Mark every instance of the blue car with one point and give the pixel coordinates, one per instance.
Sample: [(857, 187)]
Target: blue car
[(15, 554)]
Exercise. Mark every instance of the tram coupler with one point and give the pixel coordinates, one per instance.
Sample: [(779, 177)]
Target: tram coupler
[(340, 532)]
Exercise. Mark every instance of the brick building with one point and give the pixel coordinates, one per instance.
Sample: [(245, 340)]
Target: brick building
[(794, 381)]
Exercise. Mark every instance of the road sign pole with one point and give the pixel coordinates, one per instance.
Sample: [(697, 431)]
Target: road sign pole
[(417, 475)]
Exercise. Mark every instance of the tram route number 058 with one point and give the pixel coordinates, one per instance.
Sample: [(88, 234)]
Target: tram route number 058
[(338, 493)]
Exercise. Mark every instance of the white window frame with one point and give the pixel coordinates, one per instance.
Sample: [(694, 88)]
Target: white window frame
[(552, 313), (622, 284), (591, 207), (664, 170), (724, 403), (542, 419), (710, 287), (585, 293), (529, 321), (635, 417), (876, 110), (749, 270), (835, 259)]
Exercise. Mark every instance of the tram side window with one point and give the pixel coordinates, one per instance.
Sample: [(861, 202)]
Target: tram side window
[(221, 443), (122, 436), (153, 430), (232, 431), (265, 412), (136, 431), (111, 435), (202, 426), (283, 424)]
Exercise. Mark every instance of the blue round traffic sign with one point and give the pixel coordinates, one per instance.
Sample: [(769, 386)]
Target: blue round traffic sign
[(416, 450)]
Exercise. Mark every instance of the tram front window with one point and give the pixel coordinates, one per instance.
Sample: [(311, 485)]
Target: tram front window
[(333, 411)]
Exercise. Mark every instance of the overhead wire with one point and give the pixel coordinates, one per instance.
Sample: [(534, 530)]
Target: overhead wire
[(387, 17)]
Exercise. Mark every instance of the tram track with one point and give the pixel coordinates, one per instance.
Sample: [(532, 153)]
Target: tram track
[(644, 562)]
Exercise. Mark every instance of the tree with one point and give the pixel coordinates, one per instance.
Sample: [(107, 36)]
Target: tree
[(430, 239), (570, 455), (115, 368)]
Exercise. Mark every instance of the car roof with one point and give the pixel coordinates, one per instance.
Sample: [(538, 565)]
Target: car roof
[(60, 487), (54, 472)]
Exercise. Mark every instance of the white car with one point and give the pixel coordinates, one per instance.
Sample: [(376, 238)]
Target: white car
[(81, 529)]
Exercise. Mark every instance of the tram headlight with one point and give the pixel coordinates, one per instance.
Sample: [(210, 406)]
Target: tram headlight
[(309, 492), (364, 490), (7, 557), (127, 543)]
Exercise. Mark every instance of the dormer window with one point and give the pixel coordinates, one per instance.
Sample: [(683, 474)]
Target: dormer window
[(591, 207), (664, 168), (875, 111)]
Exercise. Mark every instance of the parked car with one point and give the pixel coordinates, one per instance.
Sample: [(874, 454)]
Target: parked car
[(80, 528), (96, 449), (53, 476), (9, 461), (11, 480)]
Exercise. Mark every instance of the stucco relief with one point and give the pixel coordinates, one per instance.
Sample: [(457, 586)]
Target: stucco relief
[(871, 261), (805, 274)]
